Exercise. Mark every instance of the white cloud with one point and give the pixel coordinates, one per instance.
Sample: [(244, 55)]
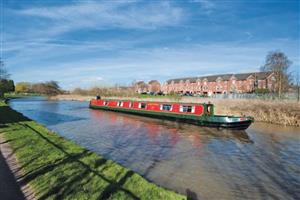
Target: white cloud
[(42, 52), (207, 5), (158, 63), (249, 35), (90, 79), (108, 14), (52, 22)]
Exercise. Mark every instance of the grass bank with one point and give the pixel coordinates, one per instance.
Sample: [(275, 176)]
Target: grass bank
[(270, 111), (20, 95), (60, 169)]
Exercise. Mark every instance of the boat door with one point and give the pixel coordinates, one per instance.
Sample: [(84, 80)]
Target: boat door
[(209, 110)]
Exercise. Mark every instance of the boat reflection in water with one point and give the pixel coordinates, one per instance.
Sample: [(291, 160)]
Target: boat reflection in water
[(155, 127)]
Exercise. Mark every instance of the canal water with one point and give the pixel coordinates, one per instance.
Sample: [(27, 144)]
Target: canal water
[(262, 162)]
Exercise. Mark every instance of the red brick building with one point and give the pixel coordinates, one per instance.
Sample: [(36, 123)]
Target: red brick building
[(221, 84)]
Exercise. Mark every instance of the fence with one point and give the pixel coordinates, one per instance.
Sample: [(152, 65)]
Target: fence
[(267, 96)]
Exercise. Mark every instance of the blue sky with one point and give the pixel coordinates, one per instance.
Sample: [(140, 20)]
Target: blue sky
[(89, 43)]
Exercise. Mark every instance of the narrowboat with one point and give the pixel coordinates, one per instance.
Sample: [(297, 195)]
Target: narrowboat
[(197, 114)]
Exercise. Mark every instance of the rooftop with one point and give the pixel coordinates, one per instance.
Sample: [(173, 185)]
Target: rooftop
[(224, 77)]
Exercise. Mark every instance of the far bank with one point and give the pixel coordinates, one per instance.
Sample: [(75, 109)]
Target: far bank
[(275, 112)]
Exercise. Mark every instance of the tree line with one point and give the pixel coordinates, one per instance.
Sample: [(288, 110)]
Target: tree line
[(7, 85), (120, 91), (45, 88)]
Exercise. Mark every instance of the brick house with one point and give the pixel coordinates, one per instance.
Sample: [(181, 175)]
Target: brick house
[(221, 84)]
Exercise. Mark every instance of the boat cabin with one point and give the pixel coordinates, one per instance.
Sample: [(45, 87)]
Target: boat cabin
[(172, 107)]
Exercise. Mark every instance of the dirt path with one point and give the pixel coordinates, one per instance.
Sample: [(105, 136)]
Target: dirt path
[(10, 173)]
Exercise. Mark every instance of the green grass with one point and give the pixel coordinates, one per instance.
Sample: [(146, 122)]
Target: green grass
[(20, 95), (60, 169), (172, 97)]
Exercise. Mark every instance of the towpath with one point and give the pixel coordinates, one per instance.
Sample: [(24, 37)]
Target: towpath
[(10, 173), (9, 189)]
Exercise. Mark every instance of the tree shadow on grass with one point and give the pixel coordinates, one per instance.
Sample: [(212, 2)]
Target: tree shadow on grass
[(3, 126), (51, 166), (7, 115), (6, 141), (67, 185), (71, 184), (191, 195), (115, 187)]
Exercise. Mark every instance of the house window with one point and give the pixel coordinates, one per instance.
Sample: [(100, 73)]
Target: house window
[(142, 105), (166, 107), (105, 103), (187, 109), (120, 103)]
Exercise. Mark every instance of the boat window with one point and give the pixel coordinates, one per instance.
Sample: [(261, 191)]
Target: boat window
[(187, 109), (167, 107), (120, 103), (105, 103), (130, 105), (142, 105)]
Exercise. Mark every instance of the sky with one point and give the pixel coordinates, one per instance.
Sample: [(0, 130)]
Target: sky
[(102, 43)]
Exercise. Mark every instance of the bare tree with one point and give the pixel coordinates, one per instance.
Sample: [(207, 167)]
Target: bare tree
[(278, 63), (5, 84), (3, 72), (141, 87), (47, 88), (154, 86), (298, 86)]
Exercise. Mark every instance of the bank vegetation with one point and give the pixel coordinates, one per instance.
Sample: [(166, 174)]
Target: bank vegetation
[(48, 88)]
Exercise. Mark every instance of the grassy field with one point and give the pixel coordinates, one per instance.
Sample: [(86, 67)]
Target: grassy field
[(60, 169)]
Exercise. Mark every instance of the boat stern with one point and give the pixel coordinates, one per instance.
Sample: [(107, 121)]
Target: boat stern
[(240, 123), (231, 122)]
